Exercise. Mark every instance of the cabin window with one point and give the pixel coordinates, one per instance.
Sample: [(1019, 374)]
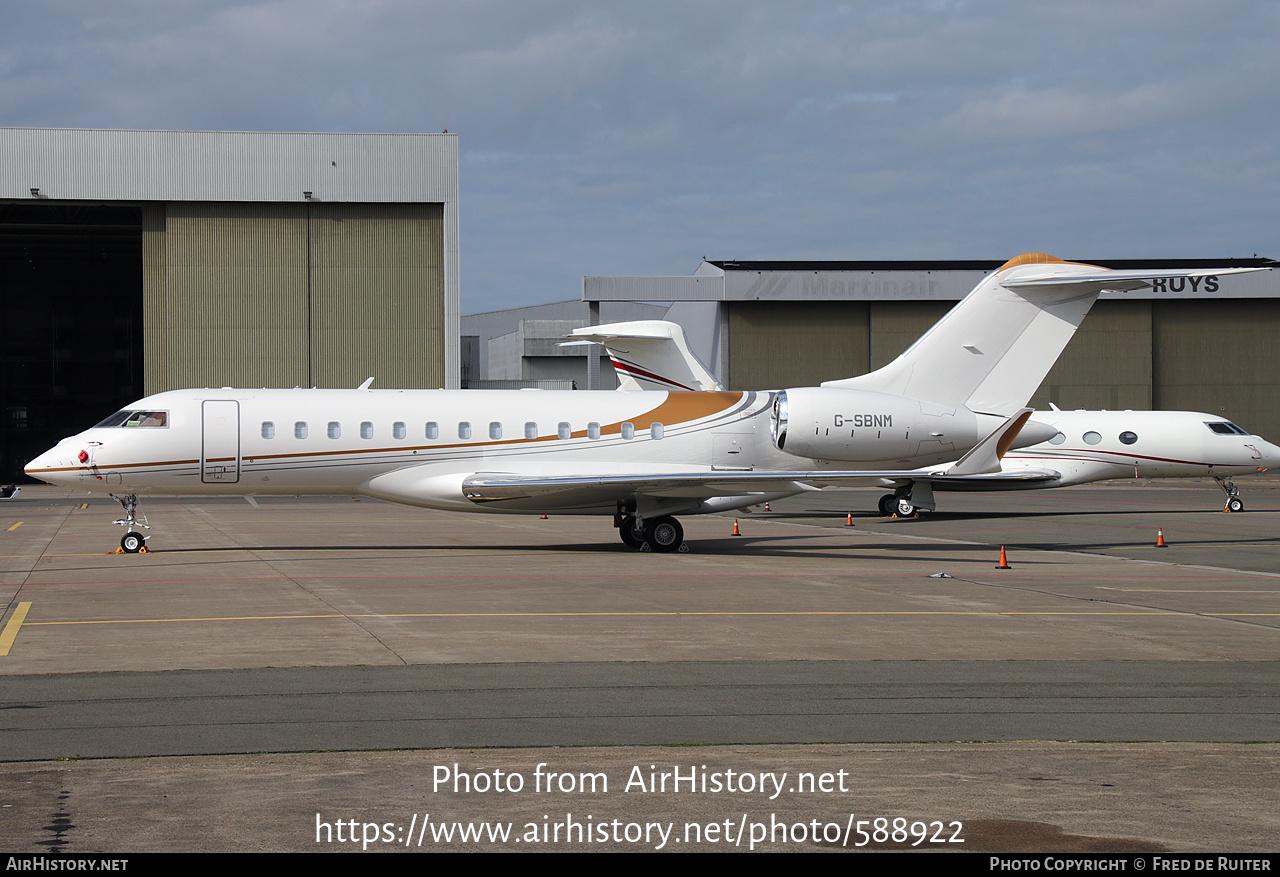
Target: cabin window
[(593, 430), (495, 430), (366, 430), (628, 430), (335, 429), (300, 429), (1058, 439), (655, 430), (1128, 438), (1092, 438), (564, 430), (398, 429), (531, 430), (464, 430), (433, 430), (268, 429)]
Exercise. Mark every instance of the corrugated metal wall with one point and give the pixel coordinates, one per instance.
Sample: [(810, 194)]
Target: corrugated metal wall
[(1212, 356), (231, 288), (1219, 357), (378, 294), (113, 165), (1107, 363), (795, 344)]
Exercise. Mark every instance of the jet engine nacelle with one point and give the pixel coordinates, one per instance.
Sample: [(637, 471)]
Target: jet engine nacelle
[(862, 426)]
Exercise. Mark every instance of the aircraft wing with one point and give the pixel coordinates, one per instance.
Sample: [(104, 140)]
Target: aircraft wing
[(490, 487), (982, 481)]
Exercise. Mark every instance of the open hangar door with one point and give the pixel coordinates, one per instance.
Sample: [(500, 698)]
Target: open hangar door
[(70, 321)]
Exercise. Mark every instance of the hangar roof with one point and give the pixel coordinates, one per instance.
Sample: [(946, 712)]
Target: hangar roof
[(118, 165), (937, 280)]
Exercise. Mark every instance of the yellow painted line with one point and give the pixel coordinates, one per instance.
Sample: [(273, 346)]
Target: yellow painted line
[(11, 629), (1188, 590), (15, 526), (1148, 613)]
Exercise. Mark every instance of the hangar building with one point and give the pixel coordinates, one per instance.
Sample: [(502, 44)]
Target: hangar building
[(1206, 346), (133, 262)]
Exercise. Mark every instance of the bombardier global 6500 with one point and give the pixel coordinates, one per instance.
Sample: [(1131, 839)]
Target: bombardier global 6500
[(644, 458)]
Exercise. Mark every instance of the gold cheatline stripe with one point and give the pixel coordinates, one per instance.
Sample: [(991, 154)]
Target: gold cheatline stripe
[(678, 409)]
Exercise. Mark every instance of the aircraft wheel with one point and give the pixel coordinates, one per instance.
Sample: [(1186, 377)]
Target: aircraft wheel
[(905, 508), (1235, 504), (132, 543), (888, 503), (628, 533), (664, 534)]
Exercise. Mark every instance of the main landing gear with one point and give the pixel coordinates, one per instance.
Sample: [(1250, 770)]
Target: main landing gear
[(894, 504), (1234, 502), (133, 541), (662, 533)]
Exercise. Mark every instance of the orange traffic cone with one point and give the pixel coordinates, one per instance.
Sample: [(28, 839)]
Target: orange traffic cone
[(735, 528), (1004, 561), (766, 507), (849, 520), (544, 517), (1160, 543)]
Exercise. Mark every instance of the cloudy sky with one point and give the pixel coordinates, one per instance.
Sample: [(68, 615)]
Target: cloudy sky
[(637, 138)]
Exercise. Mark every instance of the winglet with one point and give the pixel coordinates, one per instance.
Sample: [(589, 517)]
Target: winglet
[(367, 383), (986, 456)]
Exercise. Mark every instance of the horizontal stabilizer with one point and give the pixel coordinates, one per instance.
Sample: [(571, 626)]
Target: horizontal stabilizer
[(1106, 279), (649, 355), (993, 349)]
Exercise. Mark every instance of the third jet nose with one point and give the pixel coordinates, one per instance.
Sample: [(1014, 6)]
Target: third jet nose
[(1268, 454)]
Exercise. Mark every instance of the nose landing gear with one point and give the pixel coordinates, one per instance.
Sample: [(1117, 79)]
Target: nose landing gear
[(133, 542), (1234, 502)]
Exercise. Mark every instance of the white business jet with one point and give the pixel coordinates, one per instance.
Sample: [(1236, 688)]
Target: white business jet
[(1087, 446), (643, 458), (1108, 445)]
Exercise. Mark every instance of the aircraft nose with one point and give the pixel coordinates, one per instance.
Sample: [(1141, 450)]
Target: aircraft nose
[(42, 467), (1270, 454)]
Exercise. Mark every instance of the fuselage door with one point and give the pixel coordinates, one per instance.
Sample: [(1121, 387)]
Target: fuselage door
[(220, 442)]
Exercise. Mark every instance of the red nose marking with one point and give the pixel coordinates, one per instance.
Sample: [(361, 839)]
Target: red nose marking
[(84, 456)]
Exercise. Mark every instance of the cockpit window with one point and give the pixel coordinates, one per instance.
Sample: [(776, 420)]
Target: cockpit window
[(133, 419), (114, 420), (1226, 427)]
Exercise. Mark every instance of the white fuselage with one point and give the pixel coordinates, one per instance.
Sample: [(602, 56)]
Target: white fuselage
[(1104, 445), (418, 446)]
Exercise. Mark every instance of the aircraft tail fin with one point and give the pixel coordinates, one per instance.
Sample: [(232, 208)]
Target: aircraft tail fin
[(993, 349), (649, 355)]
